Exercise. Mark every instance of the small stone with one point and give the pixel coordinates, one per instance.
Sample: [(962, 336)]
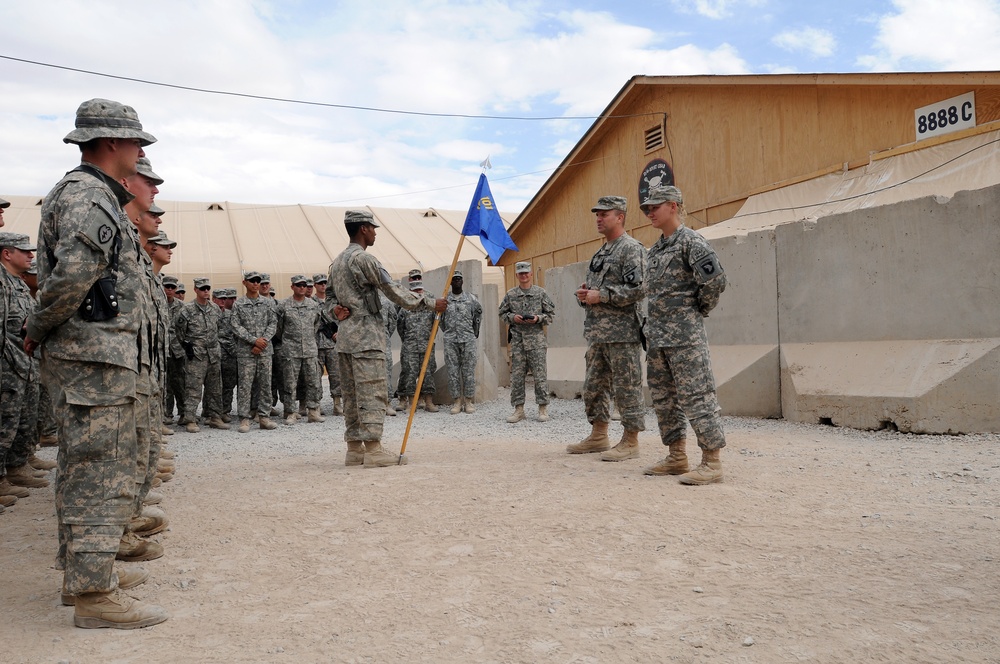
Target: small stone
[(697, 589), (551, 610), (967, 468), (748, 641)]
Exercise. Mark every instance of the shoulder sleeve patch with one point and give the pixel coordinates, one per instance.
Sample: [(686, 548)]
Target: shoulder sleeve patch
[(101, 227)]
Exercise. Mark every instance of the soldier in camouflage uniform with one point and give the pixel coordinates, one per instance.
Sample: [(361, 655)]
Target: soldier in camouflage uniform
[(414, 275), (298, 325), (227, 343), (326, 346), (89, 358), (254, 324), (356, 278), (527, 309), (197, 330), (277, 362), (612, 296), (414, 328), (19, 373), (685, 282), (390, 316), (176, 358), (461, 324)]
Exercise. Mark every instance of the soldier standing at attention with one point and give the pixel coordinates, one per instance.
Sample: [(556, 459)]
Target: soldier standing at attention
[(88, 252), (527, 309), (356, 277), (227, 343), (197, 330), (277, 361), (415, 332), (461, 324), (414, 275), (685, 282), (612, 295), (181, 291), (254, 323), (298, 325), (176, 359), (326, 346)]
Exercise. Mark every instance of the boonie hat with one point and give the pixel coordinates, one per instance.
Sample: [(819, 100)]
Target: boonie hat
[(611, 203), (103, 118), (319, 278), (16, 241), (145, 168), (359, 217), (663, 194), (522, 266)]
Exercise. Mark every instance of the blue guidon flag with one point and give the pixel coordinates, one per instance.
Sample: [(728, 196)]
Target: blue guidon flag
[(484, 220)]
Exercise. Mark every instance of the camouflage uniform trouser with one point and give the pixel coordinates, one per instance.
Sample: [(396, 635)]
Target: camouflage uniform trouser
[(95, 481), (329, 360), (683, 388), (46, 420), (278, 381), (202, 373), (409, 372), (176, 370), (300, 372), (19, 417), (253, 369), (388, 370), (460, 358), (614, 368), (147, 429), (230, 377), (146, 467), (521, 361), (362, 381)]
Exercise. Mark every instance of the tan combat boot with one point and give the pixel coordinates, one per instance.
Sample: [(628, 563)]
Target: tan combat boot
[(8, 489), (456, 407), (25, 476), (355, 453), (291, 418), (404, 404), (165, 466), (8, 501), (152, 498), (267, 424), (226, 417), (116, 610), (133, 549), (708, 472), (192, 427), (166, 431), (218, 423), (166, 454), (377, 456), (338, 406), (390, 411), (543, 413), (244, 426), (675, 463), (597, 441), (149, 522), (517, 415), (315, 415), (128, 577), (429, 403), (39, 463), (303, 411), (470, 405), (627, 448)]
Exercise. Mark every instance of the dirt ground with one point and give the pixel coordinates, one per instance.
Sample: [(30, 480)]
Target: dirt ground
[(822, 545)]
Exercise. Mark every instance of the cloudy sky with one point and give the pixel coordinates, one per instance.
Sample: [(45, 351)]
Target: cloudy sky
[(437, 64)]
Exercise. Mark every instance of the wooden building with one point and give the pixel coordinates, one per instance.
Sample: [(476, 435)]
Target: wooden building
[(726, 138)]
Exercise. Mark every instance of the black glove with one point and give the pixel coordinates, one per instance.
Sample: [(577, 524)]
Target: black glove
[(188, 349)]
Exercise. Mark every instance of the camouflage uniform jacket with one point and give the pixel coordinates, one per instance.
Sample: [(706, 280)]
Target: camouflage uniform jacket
[(618, 271), (414, 329), (16, 363), (323, 342), (148, 326), (685, 282), (462, 318), (533, 301), (81, 222), (253, 318), (227, 341), (199, 326), (355, 274), (390, 316), (174, 348), (298, 326), (162, 336)]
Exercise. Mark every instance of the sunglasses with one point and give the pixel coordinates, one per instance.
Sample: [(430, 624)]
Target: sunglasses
[(203, 288), (254, 281), (300, 285)]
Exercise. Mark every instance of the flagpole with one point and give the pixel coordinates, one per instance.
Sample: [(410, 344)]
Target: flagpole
[(427, 353)]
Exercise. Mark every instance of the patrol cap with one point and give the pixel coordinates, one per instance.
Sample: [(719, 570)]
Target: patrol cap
[(319, 278), (309, 283), (458, 273), (619, 203), (522, 266), (156, 210), (103, 118), (231, 293), (145, 168), (415, 273), (4, 204), (250, 275), (663, 194), (265, 278), (201, 282), (180, 288), (169, 280), (359, 217), (162, 240), (16, 241), (417, 284), (299, 279), (33, 267)]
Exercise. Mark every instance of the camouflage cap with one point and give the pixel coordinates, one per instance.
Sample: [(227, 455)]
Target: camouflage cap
[(416, 284), (4, 204), (319, 278), (103, 118), (663, 194), (298, 279), (265, 278), (33, 267), (522, 266), (180, 287), (309, 283), (251, 274), (162, 240), (619, 203), (359, 217), (16, 241), (156, 210), (169, 280), (457, 273), (145, 168), (231, 293), (201, 282), (415, 273)]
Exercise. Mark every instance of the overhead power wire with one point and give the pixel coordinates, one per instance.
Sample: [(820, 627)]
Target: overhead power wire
[(284, 100)]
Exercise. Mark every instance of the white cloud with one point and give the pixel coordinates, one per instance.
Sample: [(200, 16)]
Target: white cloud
[(716, 9), (929, 34), (815, 42)]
